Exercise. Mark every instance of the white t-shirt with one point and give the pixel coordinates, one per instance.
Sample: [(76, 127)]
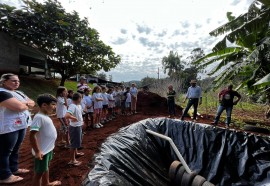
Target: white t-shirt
[(88, 102), (46, 135), (76, 110), (128, 97), (69, 101), (133, 91), (111, 101), (116, 95), (105, 98), (81, 87), (97, 104), (61, 108), (83, 104)]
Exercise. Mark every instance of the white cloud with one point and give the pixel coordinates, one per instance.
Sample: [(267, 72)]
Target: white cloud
[(143, 31)]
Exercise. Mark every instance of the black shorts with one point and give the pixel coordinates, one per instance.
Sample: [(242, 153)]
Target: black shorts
[(105, 106), (75, 134)]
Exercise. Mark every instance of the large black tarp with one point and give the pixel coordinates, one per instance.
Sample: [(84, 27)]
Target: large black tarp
[(223, 157)]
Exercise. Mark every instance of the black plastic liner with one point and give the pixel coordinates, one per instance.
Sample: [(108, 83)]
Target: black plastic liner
[(223, 157)]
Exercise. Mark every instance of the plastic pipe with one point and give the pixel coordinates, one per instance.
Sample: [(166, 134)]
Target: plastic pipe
[(180, 157)]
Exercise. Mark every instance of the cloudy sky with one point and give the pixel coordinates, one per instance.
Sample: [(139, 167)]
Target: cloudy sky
[(143, 31)]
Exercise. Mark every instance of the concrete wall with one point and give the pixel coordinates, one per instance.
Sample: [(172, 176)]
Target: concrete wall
[(9, 54)]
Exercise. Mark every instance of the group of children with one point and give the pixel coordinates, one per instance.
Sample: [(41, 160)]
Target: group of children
[(73, 109)]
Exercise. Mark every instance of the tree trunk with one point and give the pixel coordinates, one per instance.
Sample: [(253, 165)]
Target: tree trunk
[(63, 79)]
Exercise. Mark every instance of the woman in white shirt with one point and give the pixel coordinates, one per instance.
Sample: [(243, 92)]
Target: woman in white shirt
[(14, 120)]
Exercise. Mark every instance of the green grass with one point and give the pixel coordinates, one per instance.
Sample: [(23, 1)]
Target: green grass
[(243, 111), (72, 85), (32, 87)]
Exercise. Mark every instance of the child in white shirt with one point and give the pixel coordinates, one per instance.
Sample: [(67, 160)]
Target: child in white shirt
[(74, 114), (69, 97), (111, 103), (61, 109), (105, 103), (128, 101), (97, 99), (89, 109), (42, 137)]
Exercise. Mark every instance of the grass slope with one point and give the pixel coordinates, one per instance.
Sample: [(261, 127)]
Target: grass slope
[(32, 87)]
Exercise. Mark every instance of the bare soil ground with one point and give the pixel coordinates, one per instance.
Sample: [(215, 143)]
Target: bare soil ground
[(149, 106)]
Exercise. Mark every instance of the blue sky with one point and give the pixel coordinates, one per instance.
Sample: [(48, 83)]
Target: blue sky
[(143, 31)]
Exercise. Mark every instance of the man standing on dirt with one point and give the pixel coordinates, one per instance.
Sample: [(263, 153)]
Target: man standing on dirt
[(226, 100), (194, 96)]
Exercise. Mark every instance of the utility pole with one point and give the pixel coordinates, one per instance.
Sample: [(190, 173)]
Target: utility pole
[(158, 72)]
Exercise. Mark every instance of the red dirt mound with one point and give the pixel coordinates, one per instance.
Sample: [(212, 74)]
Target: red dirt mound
[(150, 103)]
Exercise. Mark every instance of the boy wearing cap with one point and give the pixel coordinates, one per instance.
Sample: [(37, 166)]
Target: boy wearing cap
[(194, 96), (42, 137)]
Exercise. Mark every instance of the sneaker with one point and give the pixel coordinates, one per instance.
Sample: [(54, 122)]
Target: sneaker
[(96, 126), (100, 125)]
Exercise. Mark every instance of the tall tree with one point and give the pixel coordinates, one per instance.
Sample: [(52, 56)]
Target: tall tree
[(102, 75), (147, 80), (173, 64), (244, 50), (63, 37), (195, 54)]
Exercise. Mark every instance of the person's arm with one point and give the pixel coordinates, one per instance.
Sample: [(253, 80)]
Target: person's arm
[(14, 105), (99, 99), (186, 95), (65, 101), (220, 96), (30, 103), (174, 93), (238, 98), (71, 117), (34, 144), (200, 102)]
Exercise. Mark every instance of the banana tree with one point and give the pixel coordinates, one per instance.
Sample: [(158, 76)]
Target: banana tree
[(244, 50)]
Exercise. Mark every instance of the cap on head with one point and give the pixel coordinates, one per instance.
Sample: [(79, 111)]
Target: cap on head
[(82, 77), (193, 81)]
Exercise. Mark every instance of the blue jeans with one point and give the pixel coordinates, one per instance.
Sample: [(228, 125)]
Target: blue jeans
[(195, 103), (219, 112), (9, 152), (171, 107)]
